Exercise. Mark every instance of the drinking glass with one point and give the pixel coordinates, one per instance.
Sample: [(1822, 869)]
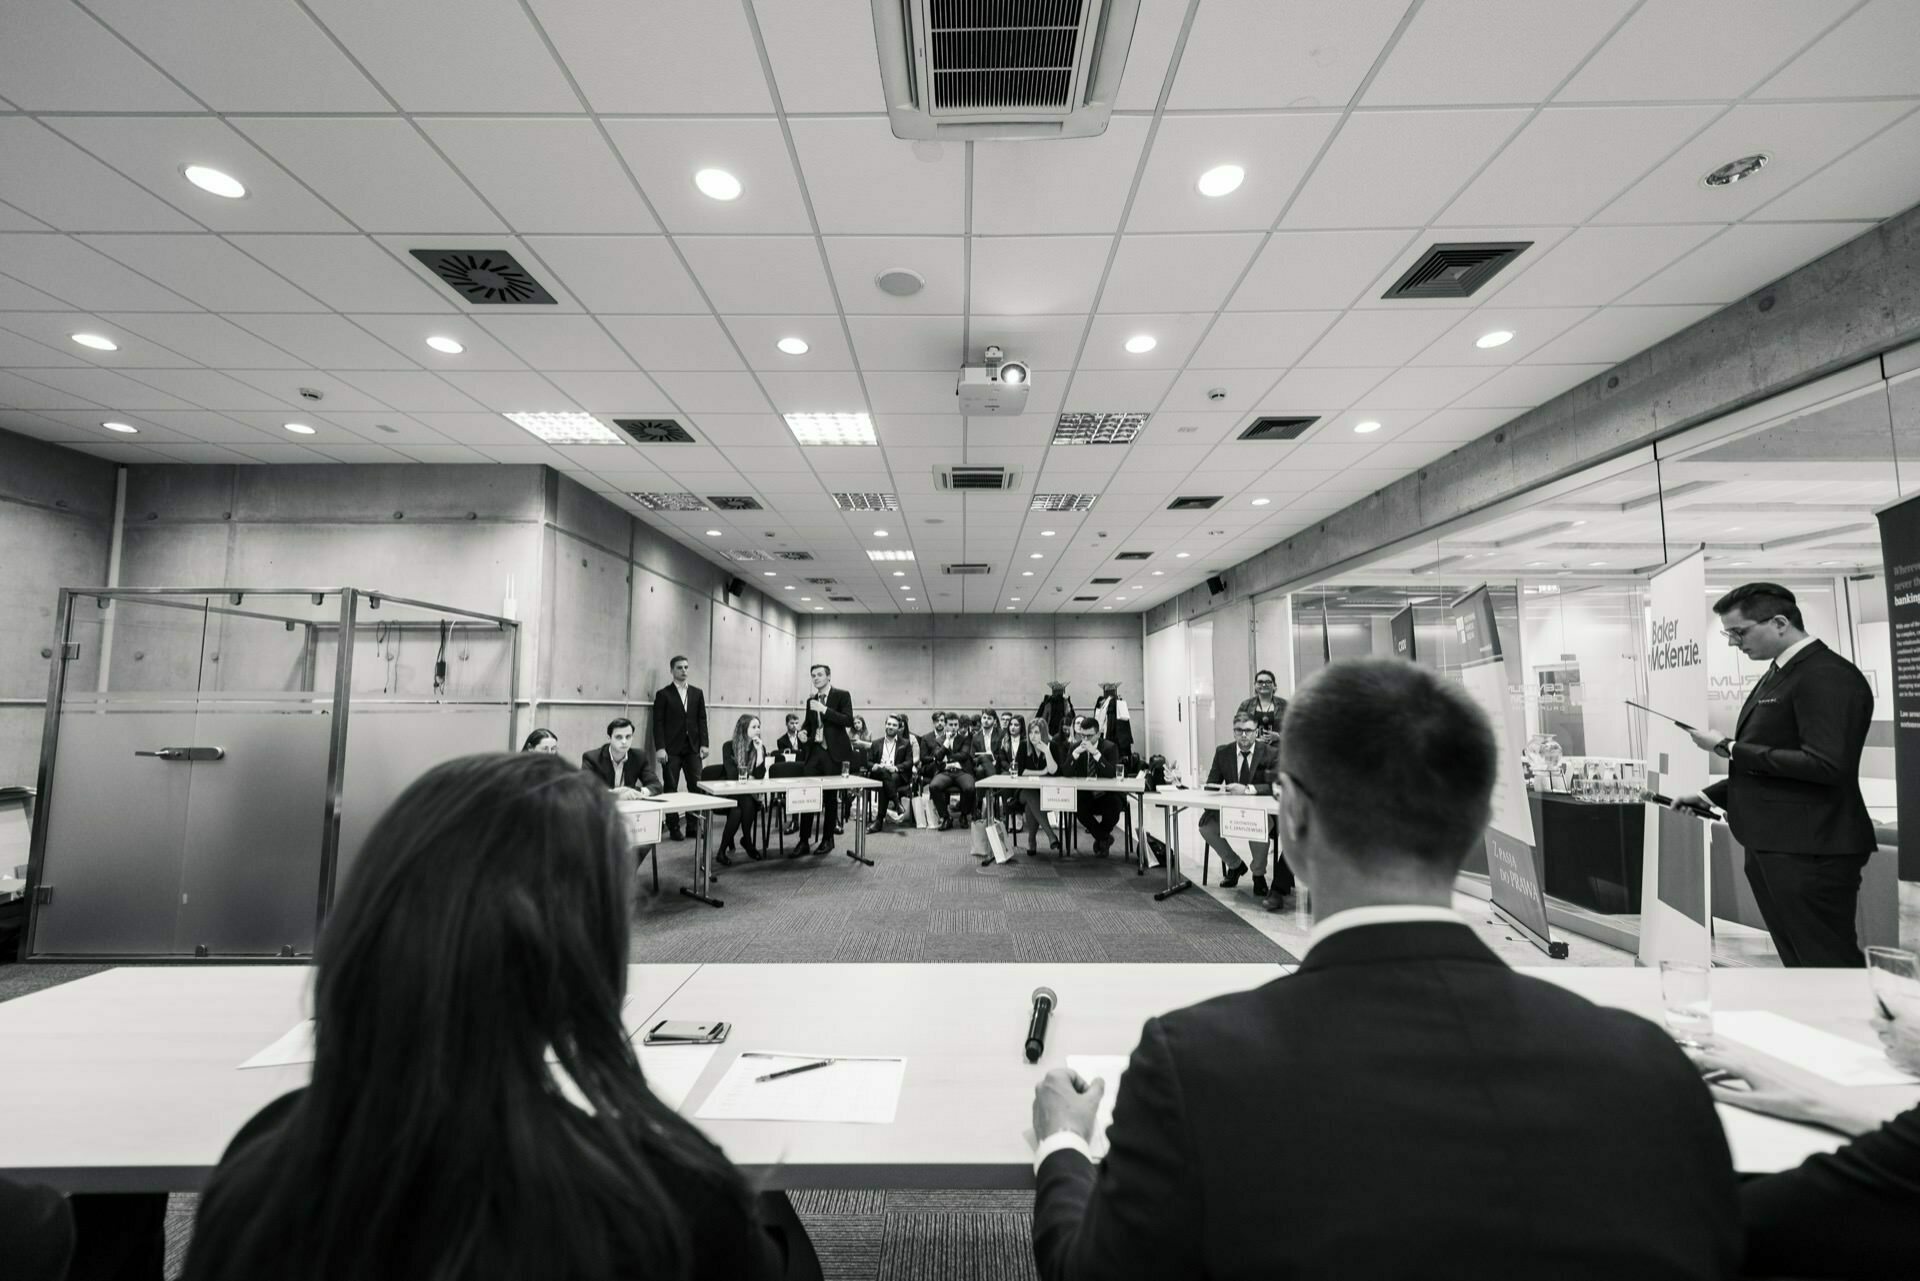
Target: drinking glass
[(1895, 978), (1689, 1008), (846, 768)]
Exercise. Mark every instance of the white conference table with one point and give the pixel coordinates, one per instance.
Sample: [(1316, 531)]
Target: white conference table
[(664, 803), (1125, 788), (1170, 800), (128, 1080), (827, 783)]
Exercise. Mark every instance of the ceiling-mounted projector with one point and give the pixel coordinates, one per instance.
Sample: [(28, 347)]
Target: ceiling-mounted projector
[(996, 387)]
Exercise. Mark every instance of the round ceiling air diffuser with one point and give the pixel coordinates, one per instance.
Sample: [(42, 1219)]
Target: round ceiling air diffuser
[(900, 282)]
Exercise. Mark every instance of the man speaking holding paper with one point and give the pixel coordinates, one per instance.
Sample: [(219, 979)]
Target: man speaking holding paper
[(1792, 790)]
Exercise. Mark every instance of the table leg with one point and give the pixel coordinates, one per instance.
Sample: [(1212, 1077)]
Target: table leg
[(702, 871), (859, 851), (1175, 881)]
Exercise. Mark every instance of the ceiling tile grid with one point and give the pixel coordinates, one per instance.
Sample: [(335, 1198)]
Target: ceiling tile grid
[(1366, 133)]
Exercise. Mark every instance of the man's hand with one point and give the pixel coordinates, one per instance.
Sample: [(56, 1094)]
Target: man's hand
[(1065, 1101), (1706, 740), (1693, 801), (815, 705), (660, 755), (703, 753), (625, 794), (799, 736), (1239, 789)]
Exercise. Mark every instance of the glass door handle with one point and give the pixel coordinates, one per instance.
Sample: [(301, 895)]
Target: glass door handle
[(186, 753)]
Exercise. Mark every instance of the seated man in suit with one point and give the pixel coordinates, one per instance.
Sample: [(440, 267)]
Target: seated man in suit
[(1243, 766), (1850, 1213), (789, 748), (629, 773), (895, 766), (1445, 1118), (1091, 756), (952, 764)]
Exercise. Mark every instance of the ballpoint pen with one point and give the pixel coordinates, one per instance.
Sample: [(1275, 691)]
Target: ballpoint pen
[(804, 1067)]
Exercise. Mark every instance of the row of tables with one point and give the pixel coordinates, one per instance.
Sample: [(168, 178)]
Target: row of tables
[(129, 1079)]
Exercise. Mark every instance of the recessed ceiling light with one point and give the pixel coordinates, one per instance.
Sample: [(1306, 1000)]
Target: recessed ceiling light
[(1222, 180), (793, 346), (786, 587), (1366, 428), (1139, 586), (881, 533), (1181, 555), (1261, 502), (1734, 170), (126, 428), (1011, 610), (1535, 564), (1158, 572), (1026, 573), (1733, 529), (1737, 563), (300, 429), (1579, 522), (214, 182), (905, 587), (768, 573), (442, 343), (1046, 533), (717, 183), (831, 429), (97, 342), (899, 573), (1017, 598), (1141, 344), (1497, 338), (1033, 556), (1595, 564), (713, 533), (818, 608), (876, 554), (1106, 607), (566, 427)]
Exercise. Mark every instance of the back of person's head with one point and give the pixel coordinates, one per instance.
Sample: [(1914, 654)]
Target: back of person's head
[(1758, 602), (485, 923), (1397, 764), (1085, 723)]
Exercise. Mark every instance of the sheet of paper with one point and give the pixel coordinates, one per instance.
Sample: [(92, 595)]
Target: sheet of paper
[(1109, 1068), (295, 1047), (1836, 1058), (1764, 1144), (859, 1090), (671, 1070)]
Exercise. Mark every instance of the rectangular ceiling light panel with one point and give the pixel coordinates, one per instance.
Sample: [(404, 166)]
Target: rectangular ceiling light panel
[(889, 555), (1062, 502), (1098, 429), (831, 429), (565, 428)]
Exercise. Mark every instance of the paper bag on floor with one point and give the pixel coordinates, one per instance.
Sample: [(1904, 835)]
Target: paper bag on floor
[(977, 831), (924, 814), (997, 840)]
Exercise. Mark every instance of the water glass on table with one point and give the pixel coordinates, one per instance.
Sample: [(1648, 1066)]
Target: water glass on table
[(1685, 995), (1894, 974)]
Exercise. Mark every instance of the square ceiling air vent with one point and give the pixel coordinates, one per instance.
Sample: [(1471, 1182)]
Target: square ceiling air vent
[(485, 277), (1134, 556), (1102, 582), (959, 477), (967, 567), (793, 555), (1457, 270), (1098, 429), (867, 502), (734, 502), (842, 600), (1193, 502), (680, 502), (822, 582), (654, 431), (1061, 502), (1278, 428)]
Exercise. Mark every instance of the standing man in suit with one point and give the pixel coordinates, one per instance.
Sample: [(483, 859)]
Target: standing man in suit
[(1244, 766), (1092, 756), (1792, 790), (630, 774), (679, 734), (825, 744), (1428, 1071)]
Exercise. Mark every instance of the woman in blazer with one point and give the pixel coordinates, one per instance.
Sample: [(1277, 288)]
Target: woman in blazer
[(1036, 755), (744, 756)]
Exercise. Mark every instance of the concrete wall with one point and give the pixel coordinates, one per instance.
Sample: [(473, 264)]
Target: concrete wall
[(918, 664), (56, 516)]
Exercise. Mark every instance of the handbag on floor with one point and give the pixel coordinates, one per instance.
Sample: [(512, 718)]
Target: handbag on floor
[(924, 814), (977, 833)]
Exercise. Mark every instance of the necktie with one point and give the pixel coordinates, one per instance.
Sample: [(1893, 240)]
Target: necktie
[(1243, 767)]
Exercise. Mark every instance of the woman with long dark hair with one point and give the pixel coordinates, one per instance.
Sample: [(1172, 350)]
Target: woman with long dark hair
[(542, 740), (744, 756), (485, 926), (1037, 755)]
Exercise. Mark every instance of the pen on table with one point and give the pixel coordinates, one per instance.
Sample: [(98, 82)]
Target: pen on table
[(804, 1067)]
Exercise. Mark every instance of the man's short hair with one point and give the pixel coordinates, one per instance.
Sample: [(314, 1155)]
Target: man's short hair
[(1758, 602), (1245, 718), (1269, 675), (793, 718), (1397, 759), (819, 667), (678, 659), (618, 722), (1086, 722)]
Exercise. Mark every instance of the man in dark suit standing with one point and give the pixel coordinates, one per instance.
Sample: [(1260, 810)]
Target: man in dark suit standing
[(1447, 1118), (1792, 790), (679, 734), (1244, 766), (1091, 756), (827, 745), (626, 771)]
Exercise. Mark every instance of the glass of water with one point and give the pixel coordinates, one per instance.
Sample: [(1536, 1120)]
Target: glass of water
[(1684, 993), (846, 768), (1895, 976)]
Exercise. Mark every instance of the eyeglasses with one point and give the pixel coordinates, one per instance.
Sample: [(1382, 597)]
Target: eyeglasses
[(1246, 729), (1738, 633)]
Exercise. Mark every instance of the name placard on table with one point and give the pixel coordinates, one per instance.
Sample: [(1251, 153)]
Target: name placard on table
[(643, 825), (1245, 825), (1056, 798), (803, 800)]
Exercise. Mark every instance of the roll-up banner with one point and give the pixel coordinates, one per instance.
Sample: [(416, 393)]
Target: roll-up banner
[(1900, 555), (1402, 625), (1674, 897), (1515, 871)]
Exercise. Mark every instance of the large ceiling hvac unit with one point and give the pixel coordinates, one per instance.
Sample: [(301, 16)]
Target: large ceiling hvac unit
[(1002, 69)]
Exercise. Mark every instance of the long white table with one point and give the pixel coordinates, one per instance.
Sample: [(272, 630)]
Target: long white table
[(1125, 788), (683, 803), (128, 1080), (1172, 799), (827, 783)]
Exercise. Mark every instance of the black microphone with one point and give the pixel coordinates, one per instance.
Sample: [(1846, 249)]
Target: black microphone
[(1044, 1003), (1700, 811)]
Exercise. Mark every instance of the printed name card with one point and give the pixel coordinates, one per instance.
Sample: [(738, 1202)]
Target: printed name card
[(643, 825), (1054, 798), (1243, 825), (803, 800)]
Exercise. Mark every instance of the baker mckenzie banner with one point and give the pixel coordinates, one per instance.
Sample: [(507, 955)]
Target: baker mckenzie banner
[(1900, 553), (1673, 897), (1515, 872)]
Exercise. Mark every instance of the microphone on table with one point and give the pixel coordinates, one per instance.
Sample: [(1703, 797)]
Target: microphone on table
[(1044, 1004)]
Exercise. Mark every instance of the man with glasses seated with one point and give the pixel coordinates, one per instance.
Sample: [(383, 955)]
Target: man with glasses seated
[(1244, 766), (1092, 756)]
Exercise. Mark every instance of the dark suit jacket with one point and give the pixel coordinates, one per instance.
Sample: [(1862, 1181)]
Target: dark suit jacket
[(959, 753), (1851, 1213), (1107, 764), (677, 730), (727, 760), (992, 752), (1264, 765), (1793, 783), (907, 752), (639, 769), (39, 1232), (788, 743), (1030, 758), (1447, 1119), (833, 733)]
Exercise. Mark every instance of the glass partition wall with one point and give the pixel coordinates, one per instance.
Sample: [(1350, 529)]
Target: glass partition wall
[(213, 758), (1783, 491)]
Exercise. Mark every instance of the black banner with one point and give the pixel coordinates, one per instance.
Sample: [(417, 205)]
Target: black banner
[(1402, 624), (1900, 555)]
